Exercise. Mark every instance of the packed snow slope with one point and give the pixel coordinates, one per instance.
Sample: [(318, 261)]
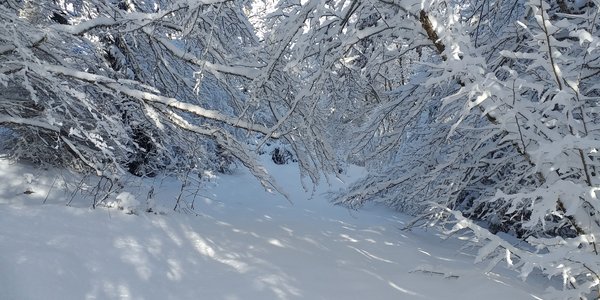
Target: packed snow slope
[(241, 243)]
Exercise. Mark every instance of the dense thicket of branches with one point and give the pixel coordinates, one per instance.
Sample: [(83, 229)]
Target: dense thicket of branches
[(480, 115), (484, 111), (143, 87), (501, 126)]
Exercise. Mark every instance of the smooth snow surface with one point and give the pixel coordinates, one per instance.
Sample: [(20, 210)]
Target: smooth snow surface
[(243, 244)]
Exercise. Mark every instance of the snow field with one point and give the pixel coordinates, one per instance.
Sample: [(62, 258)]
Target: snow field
[(243, 243)]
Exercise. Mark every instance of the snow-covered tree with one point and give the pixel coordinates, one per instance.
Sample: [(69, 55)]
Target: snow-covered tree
[(139, 86), (500, 123)]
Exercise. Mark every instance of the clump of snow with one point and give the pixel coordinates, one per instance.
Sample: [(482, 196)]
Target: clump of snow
[(127, 201), (124, 201), (29, 180), (28, 177)]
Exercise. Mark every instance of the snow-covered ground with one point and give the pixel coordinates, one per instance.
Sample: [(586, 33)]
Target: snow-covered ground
[(243, 243)]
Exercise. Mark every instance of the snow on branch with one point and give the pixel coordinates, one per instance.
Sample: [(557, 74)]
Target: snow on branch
[(195, 109), (86, 26), (151, 97), (139, 18), (246, 72), (28, 122)]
